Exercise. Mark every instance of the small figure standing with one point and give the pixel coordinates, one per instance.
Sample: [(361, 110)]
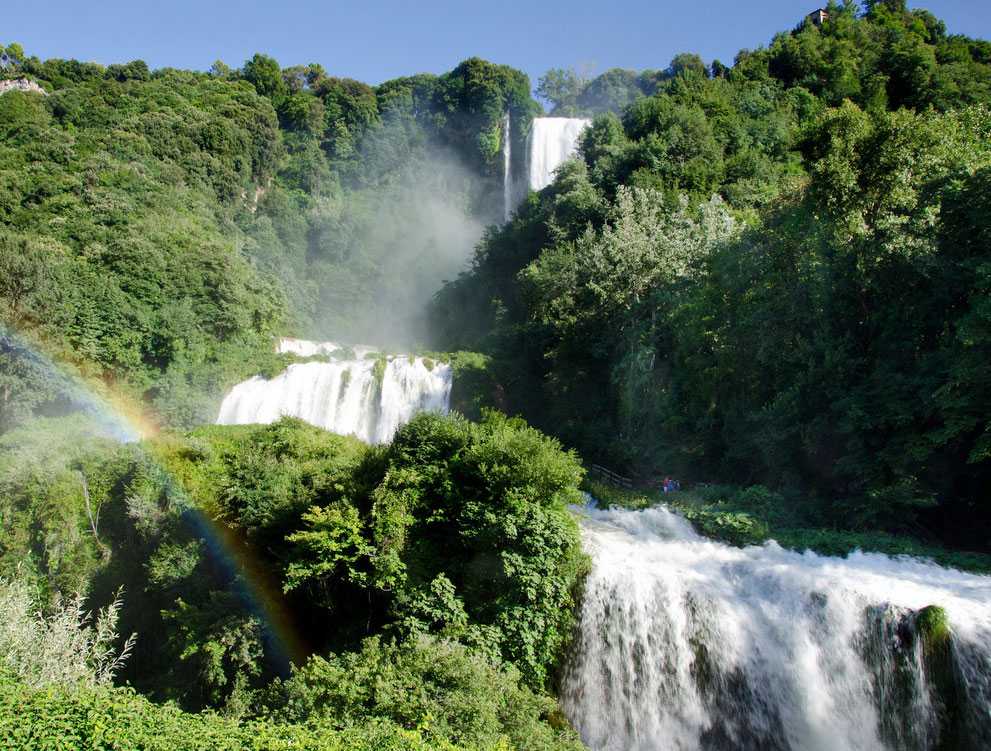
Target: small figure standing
[(668, 486)]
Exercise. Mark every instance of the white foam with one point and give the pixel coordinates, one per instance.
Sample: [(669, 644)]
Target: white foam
[(687, 643), (343, 396)]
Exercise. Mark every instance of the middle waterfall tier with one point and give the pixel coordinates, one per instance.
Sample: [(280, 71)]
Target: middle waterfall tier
[(367, 398)]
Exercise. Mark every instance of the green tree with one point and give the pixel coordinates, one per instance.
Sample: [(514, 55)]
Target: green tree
[(264, 73), (562, 87)]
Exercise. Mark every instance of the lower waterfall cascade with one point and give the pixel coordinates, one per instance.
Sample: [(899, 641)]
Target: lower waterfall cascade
[(687, 643), (368, 398)]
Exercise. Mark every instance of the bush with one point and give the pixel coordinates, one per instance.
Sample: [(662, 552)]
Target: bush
[(47, 537), (474, 387), (451, 693), (456, 529), (486, 505), (68, 646), (735, 528), (117, 718)]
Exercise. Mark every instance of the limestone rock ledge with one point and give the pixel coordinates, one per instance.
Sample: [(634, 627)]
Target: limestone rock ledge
[(20, 84)]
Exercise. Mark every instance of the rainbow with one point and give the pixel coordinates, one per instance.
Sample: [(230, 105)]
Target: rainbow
[(122, 418)]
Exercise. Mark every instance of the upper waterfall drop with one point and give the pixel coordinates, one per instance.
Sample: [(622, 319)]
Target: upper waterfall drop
[(355, 396), (508, 200), (552, 141), (686, 643)]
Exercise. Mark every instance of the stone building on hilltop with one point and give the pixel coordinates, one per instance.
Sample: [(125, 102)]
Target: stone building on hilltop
[(818, 17)]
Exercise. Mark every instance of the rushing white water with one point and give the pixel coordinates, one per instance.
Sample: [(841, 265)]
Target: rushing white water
[(687, 643), (508, 202), (305, 348), (344, 396), (552, 141)]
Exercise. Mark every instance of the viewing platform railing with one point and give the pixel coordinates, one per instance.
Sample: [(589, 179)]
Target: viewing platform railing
[(610, 476)]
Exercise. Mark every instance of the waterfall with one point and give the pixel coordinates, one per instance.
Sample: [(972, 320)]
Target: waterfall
[(304, 348), (368, 398), (686, 643), (552, 141), (508, 202)]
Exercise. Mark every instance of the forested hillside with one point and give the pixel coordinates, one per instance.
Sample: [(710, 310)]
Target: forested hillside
[(159, 229), (772, 273), (770, 279)]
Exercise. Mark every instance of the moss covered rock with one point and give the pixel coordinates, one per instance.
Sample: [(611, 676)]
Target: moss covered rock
[(932, 628)]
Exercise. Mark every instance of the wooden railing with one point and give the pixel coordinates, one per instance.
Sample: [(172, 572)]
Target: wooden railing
[(610, 476)]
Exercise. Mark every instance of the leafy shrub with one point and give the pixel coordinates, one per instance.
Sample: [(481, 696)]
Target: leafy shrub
[(486, 505), (735, 528), (55, 477), (448, 691), (117, 718), (474, 387), (66, 646), (456, 529)]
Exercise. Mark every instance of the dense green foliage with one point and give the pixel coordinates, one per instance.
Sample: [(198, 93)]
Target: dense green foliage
[(116, 718), (424, 695), (244, 547), (889, 58), (115, 246), (443, 687), (386, 195), (772, 273), (47, 537), (159, 229)]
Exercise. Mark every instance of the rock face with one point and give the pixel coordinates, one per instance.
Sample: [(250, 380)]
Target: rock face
[(21, 84)]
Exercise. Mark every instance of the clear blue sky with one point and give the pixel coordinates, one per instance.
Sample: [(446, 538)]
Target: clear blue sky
[(374, 40)]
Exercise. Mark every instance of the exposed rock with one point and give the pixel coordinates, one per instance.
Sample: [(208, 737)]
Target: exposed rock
[(21, 84), (933, 629)]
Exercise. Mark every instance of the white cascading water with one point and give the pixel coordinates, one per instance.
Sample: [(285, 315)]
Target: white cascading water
[(305, 348), (343, 396), (552, 141), (508, 202), (686, 643)]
